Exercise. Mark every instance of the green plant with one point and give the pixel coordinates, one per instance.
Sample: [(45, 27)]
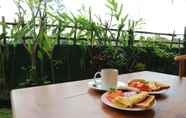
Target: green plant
[(4, 57), (40, 38), (62, 20), (5, 113), (117, 19), (116, 57), (139, 67), (35, 27), (47, 44)]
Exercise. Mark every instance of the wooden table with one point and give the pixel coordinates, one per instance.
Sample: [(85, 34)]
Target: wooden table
[(76, 100)]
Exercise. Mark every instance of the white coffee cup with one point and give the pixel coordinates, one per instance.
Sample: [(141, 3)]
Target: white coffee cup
[(108, 78)]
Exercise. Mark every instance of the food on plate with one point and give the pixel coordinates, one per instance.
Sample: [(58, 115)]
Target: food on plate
[(145, 85), (152, 85), (147, 102), (137, 98), (113, 94), (121, 102), (142, 99), (131, 100), (139, 84), (162, 85)]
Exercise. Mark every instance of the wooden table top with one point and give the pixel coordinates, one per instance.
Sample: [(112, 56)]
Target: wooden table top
[(76, 100)]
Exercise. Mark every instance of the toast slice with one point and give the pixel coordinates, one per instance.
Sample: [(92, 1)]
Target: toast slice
[(148, 102), (154, 86), (162, 85)]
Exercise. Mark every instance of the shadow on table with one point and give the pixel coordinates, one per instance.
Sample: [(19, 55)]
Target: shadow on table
[(161, 97), (95, 93)]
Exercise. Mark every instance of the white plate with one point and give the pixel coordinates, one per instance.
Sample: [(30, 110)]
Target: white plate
[(91, 84), (107, 102)]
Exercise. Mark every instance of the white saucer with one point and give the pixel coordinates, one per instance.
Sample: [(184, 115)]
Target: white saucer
[(98, 85)]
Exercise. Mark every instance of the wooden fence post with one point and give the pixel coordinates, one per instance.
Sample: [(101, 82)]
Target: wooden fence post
[(91, 36), (4, 30), (183, 64), (91, 30), (59, 33), (23, 25), (172, 39), (5, 53), (130, 38), (105, 35), (184, 41), (179, 46), (75, 34), (118, 36)]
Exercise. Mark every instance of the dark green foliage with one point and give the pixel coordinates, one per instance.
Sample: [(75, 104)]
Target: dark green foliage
[(76, 62), (5, 113)]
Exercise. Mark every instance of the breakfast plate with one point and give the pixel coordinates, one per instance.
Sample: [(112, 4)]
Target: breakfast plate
[(151, 86), (110, 104)]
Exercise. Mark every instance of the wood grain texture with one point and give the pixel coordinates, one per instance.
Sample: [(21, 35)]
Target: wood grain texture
[(76, 100), (181, 69), (180, 58)]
